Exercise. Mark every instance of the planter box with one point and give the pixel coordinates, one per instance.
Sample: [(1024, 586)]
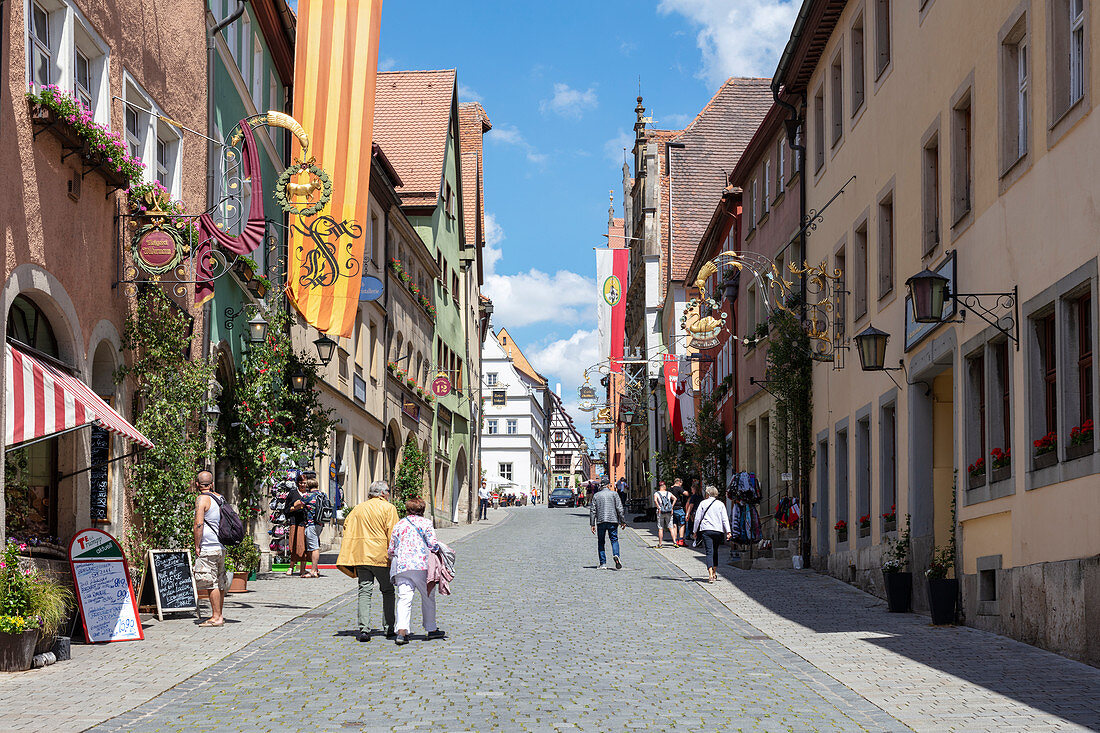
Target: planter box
[(1078, 451), (842, 536), (977, 481), (47, 120), (1046, 460), (1002, 473), (865, 531), (899, 591), (943, 597), (17, 651), (239, 584), (889, 526)]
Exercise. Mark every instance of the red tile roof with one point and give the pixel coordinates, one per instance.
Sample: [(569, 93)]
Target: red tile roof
[(412, 113), (713, 143)]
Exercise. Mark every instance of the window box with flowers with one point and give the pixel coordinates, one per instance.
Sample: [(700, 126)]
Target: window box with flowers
[(865, 525), (977, 471), (841, 528), (890, 519), (1080, 441), (72, 123), (1046, 451), (1001, 461)]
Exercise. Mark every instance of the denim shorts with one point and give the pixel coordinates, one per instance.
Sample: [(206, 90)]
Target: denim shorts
[(313, 539), (678, 517)]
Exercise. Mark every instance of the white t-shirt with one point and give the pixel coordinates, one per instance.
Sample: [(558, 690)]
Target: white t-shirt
[(483, 493), (211, 520)]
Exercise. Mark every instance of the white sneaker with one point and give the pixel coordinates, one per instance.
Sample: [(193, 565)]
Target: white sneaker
[(602, 567)]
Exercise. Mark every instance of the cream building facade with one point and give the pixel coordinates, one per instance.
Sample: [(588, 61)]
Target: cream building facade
[(976, 161)]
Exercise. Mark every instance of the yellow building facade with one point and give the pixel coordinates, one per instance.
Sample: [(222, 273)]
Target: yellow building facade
[(963, 138)]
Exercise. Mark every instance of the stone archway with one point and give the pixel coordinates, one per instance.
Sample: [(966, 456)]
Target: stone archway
[(392, 453), (460, 488)]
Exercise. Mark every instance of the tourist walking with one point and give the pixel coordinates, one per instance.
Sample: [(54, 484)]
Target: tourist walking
[(711, 519), (364, 555), (209, 552), (605, 513), (693, 501), (679, 516), (413, 539), (484, 496), (665, 502)]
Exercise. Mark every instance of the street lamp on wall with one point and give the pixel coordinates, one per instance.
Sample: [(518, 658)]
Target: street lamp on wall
[(298, 381), (871, 345), (325, 348), (928, 291), (257, 329)]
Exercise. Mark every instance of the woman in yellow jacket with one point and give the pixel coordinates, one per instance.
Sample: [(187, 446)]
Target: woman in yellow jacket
[(363, 554)]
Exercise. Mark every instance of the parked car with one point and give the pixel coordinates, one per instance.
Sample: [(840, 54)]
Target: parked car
[(562, 497)]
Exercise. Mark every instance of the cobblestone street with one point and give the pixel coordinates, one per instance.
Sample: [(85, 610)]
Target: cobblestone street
[(540, 640)]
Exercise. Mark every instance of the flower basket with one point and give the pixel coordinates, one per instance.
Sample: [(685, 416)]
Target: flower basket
[(1079, 450), (976, 480), (1045, 460), (43, 116), (1000, 474), (239, 584), (17, 650), (842, 535)]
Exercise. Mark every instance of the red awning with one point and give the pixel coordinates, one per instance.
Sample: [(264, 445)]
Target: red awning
[(43, 401)]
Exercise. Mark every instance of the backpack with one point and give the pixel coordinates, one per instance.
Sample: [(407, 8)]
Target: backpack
[(230, 527), (664, 502), (325, 510)]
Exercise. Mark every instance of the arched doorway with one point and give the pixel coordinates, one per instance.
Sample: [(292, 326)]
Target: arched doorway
[(393, 445), (31, 473), (460, 487)]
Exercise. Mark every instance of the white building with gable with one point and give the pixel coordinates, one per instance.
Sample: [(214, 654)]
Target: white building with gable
[(514, 430)]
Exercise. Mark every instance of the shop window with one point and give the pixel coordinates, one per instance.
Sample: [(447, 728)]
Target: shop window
[(888, 425), (842, 478), (863, 474)]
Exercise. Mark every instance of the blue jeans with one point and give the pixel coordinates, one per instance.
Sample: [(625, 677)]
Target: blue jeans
[(607, 528)]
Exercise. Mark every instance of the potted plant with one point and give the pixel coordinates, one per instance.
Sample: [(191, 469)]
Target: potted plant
[(1002, 464), (943, 592), (890, 519), (896, 577), (242, 560), (1080, 441), (977, 473), (841, 528), (31, 604), (865, 525), (1046, 450)]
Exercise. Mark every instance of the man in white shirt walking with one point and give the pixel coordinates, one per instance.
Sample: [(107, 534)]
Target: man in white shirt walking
[(484, 496), (665, 502)]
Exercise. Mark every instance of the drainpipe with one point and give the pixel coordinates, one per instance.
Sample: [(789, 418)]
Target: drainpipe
[(386, 334), (795, 125)]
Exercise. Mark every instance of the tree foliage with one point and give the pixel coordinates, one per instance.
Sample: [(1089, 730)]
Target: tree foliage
[(706, 444), (268, 425), (169, 404), (409, 482), (789, 379)]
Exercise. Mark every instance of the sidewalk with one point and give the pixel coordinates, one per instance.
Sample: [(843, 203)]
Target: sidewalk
[(105, 680), (929, 678)]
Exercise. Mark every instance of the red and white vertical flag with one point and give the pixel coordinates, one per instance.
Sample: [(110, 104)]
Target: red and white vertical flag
[(672, 371), (685, 396), (611, 266)]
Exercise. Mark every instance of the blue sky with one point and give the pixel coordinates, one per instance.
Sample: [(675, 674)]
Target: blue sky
[(559, 82)]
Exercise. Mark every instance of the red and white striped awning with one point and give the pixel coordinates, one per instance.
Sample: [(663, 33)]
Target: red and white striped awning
[(43, 401)]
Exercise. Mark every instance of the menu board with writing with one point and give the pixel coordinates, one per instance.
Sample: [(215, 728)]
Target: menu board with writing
[(108, 608), (100, 474), (168, 582)]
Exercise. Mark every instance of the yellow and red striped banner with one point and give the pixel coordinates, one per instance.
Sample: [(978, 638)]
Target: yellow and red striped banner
[(335, 65)]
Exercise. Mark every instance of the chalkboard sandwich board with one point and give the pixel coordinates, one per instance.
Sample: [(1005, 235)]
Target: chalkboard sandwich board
[(108, 608), (168, 582)]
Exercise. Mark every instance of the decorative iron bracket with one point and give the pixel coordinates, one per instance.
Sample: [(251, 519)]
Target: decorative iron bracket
[(1007, 303)]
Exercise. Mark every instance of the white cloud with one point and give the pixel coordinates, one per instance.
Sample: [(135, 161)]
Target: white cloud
[(466, 94), (536, 297), (613, 148), (510, 135), (387, 64), (745, 38), (494, 235), (564, 361), (569, 102)]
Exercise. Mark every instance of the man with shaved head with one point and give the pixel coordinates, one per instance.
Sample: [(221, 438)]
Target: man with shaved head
[(209, 553)]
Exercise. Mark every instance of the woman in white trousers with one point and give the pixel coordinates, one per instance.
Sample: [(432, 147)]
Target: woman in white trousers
[(413, 539)]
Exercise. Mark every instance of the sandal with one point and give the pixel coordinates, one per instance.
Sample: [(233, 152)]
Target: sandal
[(210, 624)]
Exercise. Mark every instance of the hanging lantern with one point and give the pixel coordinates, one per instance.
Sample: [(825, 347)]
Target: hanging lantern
[(871, 344), (929, 292)]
